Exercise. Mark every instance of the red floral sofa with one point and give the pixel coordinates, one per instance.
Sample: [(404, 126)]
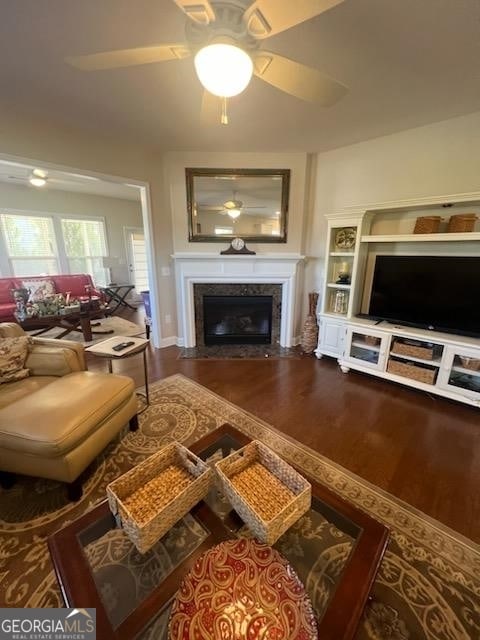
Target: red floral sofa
[(74, 283)]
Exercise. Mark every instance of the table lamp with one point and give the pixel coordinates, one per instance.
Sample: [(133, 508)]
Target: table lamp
[(108, 263)]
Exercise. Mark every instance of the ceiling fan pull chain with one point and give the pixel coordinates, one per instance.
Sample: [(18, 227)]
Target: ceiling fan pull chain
[(224, 118)]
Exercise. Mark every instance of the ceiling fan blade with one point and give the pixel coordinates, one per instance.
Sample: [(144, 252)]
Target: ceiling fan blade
[(211, 112), (265, 18), (129, 57), (200, 11), (297, 79)]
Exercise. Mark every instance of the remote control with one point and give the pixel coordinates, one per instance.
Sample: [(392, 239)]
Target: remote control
[(122, 345)]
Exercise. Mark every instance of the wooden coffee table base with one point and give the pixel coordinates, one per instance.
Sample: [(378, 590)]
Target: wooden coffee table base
[(81, 322)]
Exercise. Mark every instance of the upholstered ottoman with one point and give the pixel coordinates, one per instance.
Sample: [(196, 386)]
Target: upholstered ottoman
[(59, 429)]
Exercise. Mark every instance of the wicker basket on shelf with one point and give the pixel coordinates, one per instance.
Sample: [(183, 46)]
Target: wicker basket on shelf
[(267, 493), (412, 371), (150, 498), (424, 352), (462, 223), (427, 224), (473, 364)]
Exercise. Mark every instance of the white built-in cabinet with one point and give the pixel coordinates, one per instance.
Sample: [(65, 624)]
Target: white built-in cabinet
[(444, 364)]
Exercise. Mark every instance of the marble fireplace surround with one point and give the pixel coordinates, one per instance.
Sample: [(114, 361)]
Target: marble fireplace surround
[(207, 268), (237, 289)]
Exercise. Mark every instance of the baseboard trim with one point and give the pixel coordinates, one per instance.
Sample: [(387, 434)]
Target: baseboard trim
[(168, 342)]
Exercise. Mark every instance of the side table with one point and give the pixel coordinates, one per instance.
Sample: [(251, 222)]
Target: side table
[(104, 349), (116, 294)]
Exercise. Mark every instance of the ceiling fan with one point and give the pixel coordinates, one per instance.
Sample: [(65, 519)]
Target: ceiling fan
[(233, 208), (224, 36), (36, 177)]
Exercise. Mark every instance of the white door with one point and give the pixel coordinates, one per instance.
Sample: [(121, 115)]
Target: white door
[(137, 258), (331, 334)]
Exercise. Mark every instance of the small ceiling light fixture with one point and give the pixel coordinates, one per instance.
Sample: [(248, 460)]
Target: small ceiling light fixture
[(38, 178), (224, 70), (234, 213)]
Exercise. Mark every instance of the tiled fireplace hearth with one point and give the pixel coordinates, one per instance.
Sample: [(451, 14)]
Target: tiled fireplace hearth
[(199, 275)]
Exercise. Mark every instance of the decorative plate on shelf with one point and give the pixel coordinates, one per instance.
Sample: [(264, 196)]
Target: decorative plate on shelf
[(242, 589), (345, 238)]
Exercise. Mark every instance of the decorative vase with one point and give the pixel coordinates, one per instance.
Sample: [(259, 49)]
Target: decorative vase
[(310, 328)]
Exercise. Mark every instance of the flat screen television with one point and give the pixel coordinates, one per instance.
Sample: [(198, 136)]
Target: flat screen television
[(440, 293)]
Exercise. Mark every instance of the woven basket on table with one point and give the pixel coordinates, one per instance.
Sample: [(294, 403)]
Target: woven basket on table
[(310, 328), (146, 485), (462, 223), (427, 224), (258, 482)]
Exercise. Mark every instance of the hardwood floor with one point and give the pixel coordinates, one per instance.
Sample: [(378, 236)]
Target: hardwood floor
[(423, 449)]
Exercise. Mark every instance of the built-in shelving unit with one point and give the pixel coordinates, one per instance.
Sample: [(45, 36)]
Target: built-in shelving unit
[(364, 345), (450, 368), (335, 285), (423, 237)]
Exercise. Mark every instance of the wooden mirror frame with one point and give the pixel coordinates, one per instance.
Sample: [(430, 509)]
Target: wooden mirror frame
[(192, 173)]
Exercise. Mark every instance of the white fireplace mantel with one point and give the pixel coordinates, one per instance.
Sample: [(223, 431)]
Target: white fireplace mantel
[(192, 268)]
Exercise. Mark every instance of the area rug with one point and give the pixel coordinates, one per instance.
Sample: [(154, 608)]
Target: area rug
[(428, 586), (118, 325)]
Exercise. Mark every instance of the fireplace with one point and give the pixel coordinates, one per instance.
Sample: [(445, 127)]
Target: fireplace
[(237, 313), (237, 319), (199, 274)]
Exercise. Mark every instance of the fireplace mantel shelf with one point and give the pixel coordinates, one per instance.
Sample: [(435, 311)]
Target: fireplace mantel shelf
[(279, 257)]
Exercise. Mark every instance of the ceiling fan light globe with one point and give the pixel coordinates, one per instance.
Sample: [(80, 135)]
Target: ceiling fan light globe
[(37, 181), (223, 69), (234, 213)]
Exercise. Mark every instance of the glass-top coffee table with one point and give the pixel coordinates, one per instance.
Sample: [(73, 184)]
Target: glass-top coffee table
[(336, 550)]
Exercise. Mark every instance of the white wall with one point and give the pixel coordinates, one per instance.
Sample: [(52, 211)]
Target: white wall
[(175, 164), (118, 213), (434, 160)]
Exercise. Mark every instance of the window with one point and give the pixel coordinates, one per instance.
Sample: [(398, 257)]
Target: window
[(41, 244), (30, 244), (85, 246), (223, 231)]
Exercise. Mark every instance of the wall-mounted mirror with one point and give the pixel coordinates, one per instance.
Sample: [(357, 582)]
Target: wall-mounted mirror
[(226, 203)]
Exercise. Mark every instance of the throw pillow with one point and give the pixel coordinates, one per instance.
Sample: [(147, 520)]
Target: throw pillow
[(39, 289), (13, 353)]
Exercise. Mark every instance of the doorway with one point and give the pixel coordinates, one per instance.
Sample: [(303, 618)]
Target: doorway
[(137, 258)]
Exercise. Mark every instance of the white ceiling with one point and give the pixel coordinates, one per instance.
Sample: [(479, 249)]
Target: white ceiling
[(18, 174), (406, 62)]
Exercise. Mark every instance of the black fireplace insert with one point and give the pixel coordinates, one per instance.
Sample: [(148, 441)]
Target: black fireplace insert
[(237, 319)]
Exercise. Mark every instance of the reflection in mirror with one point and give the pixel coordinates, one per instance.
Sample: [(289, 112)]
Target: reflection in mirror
[(229, 203)]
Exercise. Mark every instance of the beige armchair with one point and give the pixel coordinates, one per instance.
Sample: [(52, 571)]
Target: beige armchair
[(57, 420)]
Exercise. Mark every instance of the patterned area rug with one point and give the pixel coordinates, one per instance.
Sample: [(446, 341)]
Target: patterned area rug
[(428, 585)]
